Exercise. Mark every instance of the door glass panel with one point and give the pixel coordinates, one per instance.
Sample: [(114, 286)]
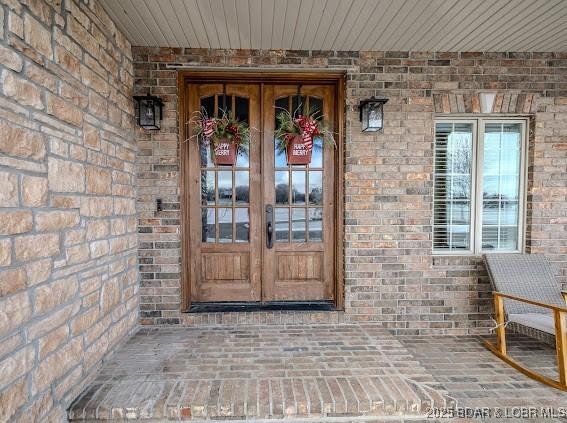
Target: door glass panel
[(241, 108), (281, 104), (298, 224), (208, 105), (208, 224), (298, 105), (243, 158), (224, 104), (208, 187), (242, 189), (282, 224), (242, 224), (316, 107), (317, 153), (225, 224), (298, 187), (282, 187), (225, 186), (205, 153), (315, 224), (315, 188), (279, 158)]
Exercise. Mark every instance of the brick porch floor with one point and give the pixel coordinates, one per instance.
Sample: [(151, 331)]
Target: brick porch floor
[(342, 372)]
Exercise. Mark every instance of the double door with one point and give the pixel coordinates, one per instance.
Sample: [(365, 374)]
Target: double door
[(261, 230)]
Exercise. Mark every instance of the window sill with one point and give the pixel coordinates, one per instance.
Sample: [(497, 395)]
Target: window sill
[(471, 254)]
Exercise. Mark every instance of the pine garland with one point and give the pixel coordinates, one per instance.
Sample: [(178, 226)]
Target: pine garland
[(307, 126)]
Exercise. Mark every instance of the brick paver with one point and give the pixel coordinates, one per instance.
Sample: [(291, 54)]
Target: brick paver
[(477, 380), (342, 372), (322, 371)]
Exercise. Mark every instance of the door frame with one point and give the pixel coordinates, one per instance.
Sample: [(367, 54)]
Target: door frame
[(335, 79)]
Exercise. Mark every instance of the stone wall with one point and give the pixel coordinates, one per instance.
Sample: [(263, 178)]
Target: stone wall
[(68, 277), (391, 274)]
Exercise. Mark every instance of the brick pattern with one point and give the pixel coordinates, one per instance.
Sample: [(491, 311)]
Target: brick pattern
[(307, 374), (263, 318), (502, 102), (547, 183), (391, 275), (260, 372), (475, 378), (541, 336), (68, 276)]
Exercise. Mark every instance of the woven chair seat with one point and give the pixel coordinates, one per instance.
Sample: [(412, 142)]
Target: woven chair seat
[(539, 321), (527, 276)]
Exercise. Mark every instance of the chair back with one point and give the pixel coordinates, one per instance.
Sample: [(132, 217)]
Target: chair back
[(524, 275)]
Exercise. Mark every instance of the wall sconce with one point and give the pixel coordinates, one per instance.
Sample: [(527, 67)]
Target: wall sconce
[(372, 114), (149, 111)]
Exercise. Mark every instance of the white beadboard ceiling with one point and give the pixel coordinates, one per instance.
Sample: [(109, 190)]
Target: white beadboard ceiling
[(400, 25)]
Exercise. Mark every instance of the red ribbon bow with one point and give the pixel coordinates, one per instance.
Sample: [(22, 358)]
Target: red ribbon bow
[(308, 128), (208, 126)]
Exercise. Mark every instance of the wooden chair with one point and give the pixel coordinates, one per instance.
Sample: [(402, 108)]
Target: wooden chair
[(526, 291)]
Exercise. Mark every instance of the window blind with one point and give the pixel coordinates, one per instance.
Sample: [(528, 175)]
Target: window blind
[(453, 186)]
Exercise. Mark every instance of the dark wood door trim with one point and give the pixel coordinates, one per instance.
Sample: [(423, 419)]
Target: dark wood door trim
[(266, 76), (337, 79)]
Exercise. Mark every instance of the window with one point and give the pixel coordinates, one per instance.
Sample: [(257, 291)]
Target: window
[(479, 186)]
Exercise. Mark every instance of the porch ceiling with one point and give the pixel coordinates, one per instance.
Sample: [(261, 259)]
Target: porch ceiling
[(415, 25)]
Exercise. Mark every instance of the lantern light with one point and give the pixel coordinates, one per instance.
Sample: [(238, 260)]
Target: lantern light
[(372, 114), (149, 111)]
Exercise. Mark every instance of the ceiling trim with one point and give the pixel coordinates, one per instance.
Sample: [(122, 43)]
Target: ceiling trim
[(352, 25)]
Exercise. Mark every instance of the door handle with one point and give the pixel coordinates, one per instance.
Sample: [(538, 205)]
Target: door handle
[(269, 226)]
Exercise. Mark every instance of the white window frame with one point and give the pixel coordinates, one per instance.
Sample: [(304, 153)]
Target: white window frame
[(478, 125)]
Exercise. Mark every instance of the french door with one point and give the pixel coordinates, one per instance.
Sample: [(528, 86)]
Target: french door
[(261, 230)]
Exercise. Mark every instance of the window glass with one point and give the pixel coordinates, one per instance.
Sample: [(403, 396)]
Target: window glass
[(501, 186), (453, 186), (485, 218)]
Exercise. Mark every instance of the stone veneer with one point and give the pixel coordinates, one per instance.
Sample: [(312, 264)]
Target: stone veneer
[(391, 275), (68, 277)]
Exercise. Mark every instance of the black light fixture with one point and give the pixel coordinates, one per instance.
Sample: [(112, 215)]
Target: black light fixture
[(149, 111), (372, 114)]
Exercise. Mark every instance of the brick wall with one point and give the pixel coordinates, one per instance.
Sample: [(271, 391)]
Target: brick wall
[(391, 275), (68, 277)]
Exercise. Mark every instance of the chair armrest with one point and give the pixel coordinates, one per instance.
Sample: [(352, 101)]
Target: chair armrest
[(532, 302), (564, 293)]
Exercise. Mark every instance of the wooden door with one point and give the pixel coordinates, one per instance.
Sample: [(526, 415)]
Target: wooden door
[(230, 254), (225, 202), (299, 264)]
